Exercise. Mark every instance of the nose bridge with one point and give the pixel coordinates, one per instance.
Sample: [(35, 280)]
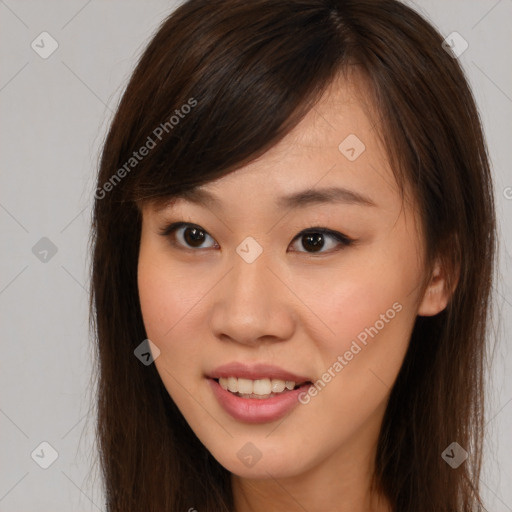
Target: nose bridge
[(250, 303), (249, 283)]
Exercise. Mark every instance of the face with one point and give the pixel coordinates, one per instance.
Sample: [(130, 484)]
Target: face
[(322, 291)]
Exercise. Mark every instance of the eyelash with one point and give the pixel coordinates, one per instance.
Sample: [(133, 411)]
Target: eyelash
[(344, 240)]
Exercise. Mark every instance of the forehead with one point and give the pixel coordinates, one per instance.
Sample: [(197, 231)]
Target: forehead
[(346, 107), (335, 146)]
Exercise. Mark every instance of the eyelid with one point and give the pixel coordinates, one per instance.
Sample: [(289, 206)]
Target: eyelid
[(344, 240), (169, 228), (326, 231)]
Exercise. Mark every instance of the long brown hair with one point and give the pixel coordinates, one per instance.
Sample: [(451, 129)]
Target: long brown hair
[(220, 83)]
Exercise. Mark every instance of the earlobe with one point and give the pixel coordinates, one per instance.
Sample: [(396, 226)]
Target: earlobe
[(437, 294)]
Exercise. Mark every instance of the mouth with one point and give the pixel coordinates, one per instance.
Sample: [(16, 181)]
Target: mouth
[(257, 392), (258, 405), (259, 389)]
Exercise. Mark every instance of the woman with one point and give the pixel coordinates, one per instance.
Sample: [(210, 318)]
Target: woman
[(293, 252)]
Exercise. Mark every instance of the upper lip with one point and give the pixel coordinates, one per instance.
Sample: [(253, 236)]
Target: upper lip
[(255, 372)]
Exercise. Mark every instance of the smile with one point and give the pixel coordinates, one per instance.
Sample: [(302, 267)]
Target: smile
[(256, 393), (259, 388), (258, 408)]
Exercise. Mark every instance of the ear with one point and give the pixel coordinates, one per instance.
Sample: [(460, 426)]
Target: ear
[(437, 294)]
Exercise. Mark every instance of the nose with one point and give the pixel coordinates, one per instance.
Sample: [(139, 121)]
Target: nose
[(252, 304)]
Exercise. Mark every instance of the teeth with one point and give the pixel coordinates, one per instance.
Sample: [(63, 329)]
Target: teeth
[(277, 386), (244, 386), (261, 387), (257, 387), (232, 384)]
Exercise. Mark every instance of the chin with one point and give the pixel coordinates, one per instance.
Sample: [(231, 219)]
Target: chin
[(262, 459)]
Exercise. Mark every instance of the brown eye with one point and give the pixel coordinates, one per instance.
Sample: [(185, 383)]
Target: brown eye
[(193, 236), (187, 235), (315, 239)]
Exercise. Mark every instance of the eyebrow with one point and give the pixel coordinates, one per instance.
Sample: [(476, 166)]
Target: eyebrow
[(291, 201)]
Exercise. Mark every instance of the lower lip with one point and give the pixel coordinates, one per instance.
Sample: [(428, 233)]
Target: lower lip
[(257, 410)]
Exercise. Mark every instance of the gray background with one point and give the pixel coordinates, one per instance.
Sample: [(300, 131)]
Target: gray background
[(54, 113)]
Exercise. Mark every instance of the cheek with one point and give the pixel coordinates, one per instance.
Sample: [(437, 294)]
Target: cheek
[(349, 303), (165, 296), (173, 309), (168, 310), (367, 311), (370, 323), (158, 303)]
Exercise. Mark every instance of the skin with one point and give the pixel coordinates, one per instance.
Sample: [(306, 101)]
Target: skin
[(292, 307)]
